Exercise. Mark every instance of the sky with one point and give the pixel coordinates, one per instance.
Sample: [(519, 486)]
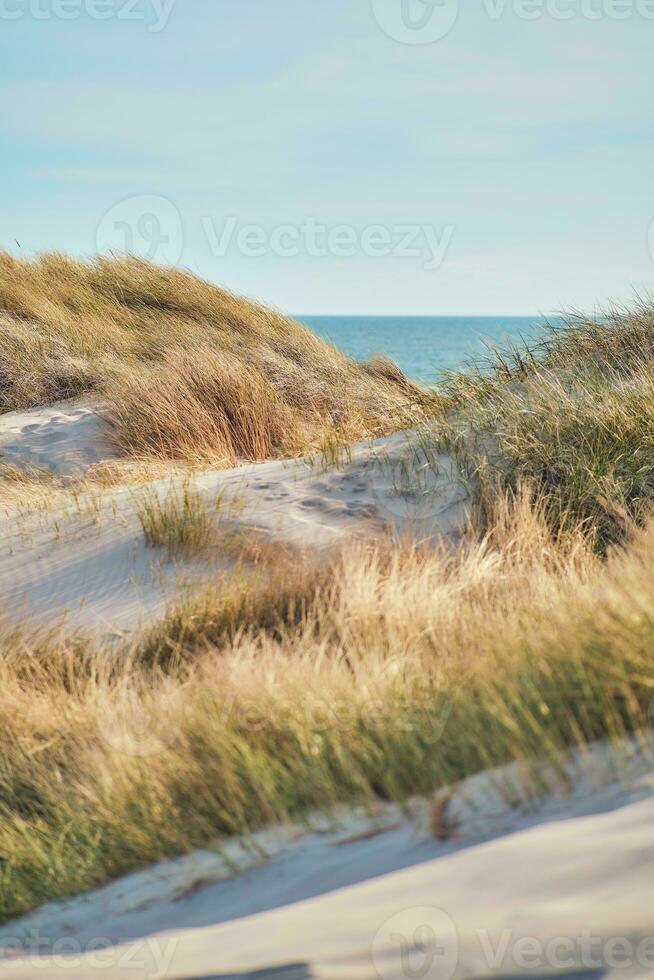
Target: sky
[(436, 157)]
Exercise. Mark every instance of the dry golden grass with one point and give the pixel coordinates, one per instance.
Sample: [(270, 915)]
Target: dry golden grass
[(188, 370), (27, 488), (182, 519), (389, 673)]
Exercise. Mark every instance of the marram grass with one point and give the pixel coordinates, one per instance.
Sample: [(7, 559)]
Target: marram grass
[(389, 673), (382, 672), (573, 415), (186, 370)]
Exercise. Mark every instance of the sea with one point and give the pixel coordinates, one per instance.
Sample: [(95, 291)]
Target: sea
[(426, 346)]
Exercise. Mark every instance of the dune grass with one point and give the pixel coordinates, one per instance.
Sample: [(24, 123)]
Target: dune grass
[(392, 672), (187, 370), (176, 518), (572, 414), (386, 671), (179, 517)]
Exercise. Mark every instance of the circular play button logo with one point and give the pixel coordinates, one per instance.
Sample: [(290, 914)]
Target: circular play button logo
[(416, 21), (418, 943)]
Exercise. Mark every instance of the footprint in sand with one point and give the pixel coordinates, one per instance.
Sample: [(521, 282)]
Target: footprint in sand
[(357, 509)]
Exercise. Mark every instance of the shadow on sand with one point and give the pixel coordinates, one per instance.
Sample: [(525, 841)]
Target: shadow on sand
[(292, 971)]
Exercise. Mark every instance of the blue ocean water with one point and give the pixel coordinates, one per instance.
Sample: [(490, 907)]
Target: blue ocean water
[(424, 346)]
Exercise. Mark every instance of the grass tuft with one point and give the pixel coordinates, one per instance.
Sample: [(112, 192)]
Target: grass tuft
[(178, 520)]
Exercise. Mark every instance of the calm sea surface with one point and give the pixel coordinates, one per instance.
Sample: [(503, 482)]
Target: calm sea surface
[(423, 346)]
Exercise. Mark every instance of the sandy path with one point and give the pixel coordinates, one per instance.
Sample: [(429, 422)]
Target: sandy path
[(88, 562), (561, 889)]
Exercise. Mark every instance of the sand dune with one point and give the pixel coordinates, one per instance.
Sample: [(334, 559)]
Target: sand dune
[(558, 887), (88, 562), (515, 889)]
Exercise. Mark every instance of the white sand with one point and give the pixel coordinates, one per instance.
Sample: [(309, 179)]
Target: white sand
[(89, 564), (64, 439), (571, 876)]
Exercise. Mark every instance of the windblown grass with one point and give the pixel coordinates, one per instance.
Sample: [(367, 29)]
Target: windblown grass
[(572, 414), (21, 487), (395, 671), (188, 370), (176, 518), (390, 670)]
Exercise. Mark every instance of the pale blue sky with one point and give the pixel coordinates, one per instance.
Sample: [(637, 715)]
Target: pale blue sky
[(526, 146)]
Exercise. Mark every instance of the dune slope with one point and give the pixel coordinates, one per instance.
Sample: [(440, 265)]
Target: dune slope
[(187, 369), (558, 887)]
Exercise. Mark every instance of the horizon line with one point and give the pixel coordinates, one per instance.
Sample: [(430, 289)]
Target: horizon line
[(434, 316)]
